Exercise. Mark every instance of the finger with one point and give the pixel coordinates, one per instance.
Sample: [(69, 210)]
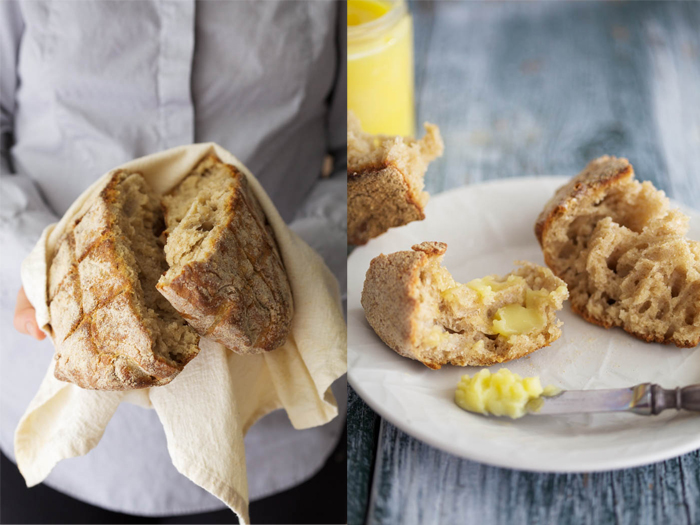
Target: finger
[(36, 332), (25, 323), (25, 318)]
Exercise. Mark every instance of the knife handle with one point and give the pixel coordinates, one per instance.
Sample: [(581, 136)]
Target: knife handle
[(687, 398)]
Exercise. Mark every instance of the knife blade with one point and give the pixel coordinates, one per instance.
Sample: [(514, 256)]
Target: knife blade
[(643, 399)]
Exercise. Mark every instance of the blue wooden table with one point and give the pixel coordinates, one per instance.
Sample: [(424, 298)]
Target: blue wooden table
[(533, 89)]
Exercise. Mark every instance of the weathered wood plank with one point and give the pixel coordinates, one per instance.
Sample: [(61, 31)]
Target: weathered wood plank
[(542, 88), (363, 426), (690, 472), (416, 483)]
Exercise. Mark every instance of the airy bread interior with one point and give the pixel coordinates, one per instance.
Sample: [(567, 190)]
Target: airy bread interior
[(225, 272), (410, 156), (195, 214), (627, 262), (118, 290), (137, 233), (418, 309), (456, 322)]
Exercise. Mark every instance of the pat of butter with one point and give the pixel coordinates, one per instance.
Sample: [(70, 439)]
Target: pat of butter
[(501, 394), (488, 286), (515, 319)]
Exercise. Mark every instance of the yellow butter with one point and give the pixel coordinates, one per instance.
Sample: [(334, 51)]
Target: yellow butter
[(501, 394), (512, 319), (443, 281), (551, 390), (450, 295), (380, 66), (435, 336), (487, 286), (515, 319), (363, 11)]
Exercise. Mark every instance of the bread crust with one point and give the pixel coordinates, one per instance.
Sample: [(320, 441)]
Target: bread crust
[(379, 198), (396, 301), (590, 188), (385, 179), (101, 339), (390, 296), (236, 291), (592, 183)]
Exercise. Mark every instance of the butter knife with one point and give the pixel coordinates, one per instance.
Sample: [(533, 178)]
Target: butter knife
[(645, 399)]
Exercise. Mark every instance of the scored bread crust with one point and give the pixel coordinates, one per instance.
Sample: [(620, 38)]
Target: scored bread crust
[(385, 179), (591, 184), (403, 302), (232, 285), (106, 337), (623, 254)]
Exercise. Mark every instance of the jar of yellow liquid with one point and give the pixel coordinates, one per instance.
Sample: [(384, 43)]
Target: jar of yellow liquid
[(380, 66)]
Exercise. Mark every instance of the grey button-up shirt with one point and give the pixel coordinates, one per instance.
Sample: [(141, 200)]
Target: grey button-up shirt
[(86, 86)]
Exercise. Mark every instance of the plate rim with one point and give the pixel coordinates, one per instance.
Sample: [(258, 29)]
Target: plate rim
[(498, 459)]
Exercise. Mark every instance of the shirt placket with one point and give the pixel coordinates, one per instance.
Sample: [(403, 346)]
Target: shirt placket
[(175, 72)]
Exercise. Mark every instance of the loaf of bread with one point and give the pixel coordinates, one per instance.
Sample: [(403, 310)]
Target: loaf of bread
[(624, 254), (385, 179), (225, 276), (111, 328), (415, 307)]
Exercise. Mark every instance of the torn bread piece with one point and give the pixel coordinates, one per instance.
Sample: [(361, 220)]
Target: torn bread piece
[(226, 276), (416, 307), (111, 328), (385, 179), (624, 254)]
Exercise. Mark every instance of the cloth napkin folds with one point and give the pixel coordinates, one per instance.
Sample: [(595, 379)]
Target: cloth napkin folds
[(207, 409)]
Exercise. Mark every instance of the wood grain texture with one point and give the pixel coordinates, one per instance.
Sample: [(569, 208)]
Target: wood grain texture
[(416, 483), (363, 426), (533, 89), (542, 88)]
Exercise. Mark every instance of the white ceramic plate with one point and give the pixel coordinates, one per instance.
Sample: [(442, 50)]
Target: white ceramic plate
[(487, 227)]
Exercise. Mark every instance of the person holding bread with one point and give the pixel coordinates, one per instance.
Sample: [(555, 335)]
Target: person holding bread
[(88, 86)]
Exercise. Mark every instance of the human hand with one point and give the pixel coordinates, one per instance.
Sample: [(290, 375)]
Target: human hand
[(25, 317)]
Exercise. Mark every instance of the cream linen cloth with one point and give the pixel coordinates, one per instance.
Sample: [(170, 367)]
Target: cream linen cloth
[(210, 405)]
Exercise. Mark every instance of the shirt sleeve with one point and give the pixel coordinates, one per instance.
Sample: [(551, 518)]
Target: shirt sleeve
[(322, 220), (23, 214)]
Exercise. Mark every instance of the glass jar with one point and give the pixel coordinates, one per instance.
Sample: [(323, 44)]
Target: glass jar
[(380, 66)]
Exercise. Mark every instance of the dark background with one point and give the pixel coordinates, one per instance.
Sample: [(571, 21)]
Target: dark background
[(321, 499)]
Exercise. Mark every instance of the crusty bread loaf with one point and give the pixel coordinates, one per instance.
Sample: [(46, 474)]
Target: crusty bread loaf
[(226, 275), (624, 254), (385, 179), (415, 306), (111, 328)]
